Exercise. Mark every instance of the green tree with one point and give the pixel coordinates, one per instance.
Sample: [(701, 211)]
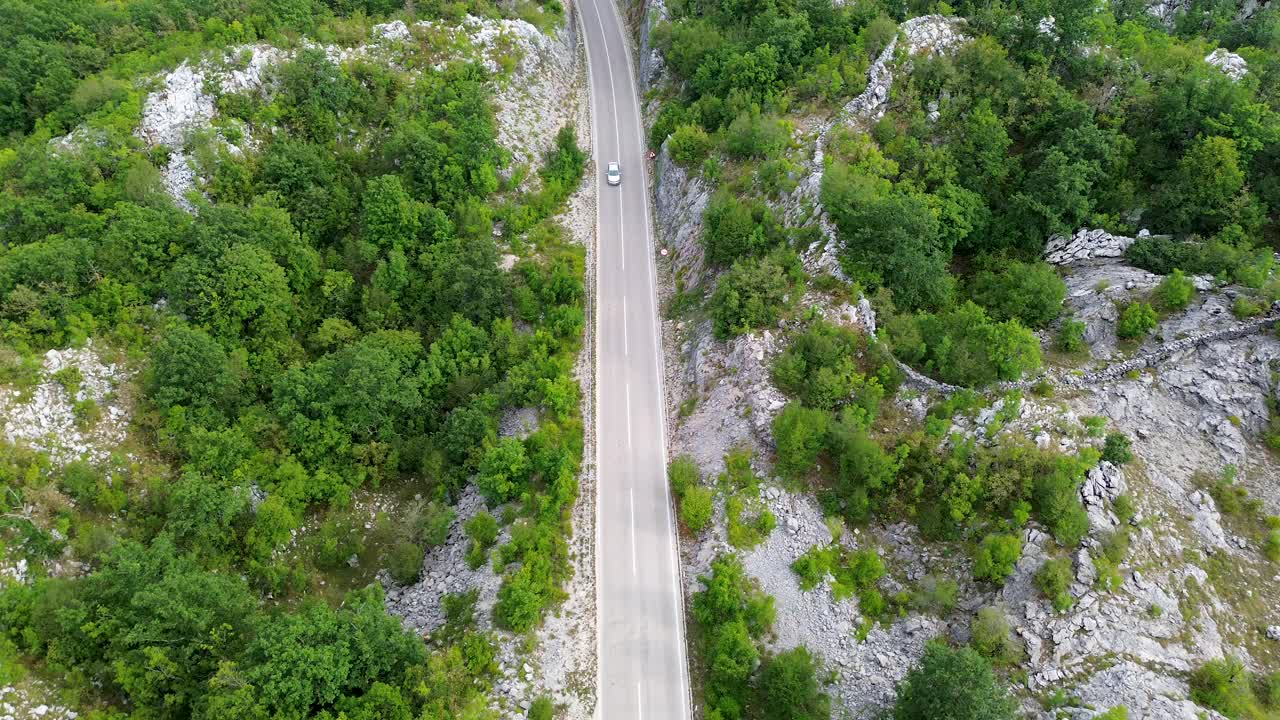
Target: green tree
[(754, 292), (952, 685), (389, 216), (503, 471), (733, 229), (788, 688), (1205, 187), (1031, 293), (891, 239), (191, 369), (799, 433), (689, 145)]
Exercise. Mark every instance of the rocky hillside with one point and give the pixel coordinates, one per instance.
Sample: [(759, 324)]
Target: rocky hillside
[(296, 355), (1170, 427)]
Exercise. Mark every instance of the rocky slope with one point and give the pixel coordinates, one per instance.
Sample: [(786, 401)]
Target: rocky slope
[(539, 85), (1194, 397)]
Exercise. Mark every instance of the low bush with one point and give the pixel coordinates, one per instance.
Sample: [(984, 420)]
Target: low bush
[(695, 508), (1175, 291), (1136, 319), (1226, 686), (1053, 579), (993, 637), (747, 527), (1115, 449), (1070, 337), (996, 556), (936, 594)]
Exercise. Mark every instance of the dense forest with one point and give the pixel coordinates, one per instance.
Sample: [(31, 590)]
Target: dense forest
[(331, 318)]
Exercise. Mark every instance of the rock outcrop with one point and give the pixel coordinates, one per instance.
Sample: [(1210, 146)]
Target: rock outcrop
[(679, 200), (1085, 244), (1228, 62)]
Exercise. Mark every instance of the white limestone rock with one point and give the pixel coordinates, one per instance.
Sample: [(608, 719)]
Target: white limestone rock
[(1228, 62)]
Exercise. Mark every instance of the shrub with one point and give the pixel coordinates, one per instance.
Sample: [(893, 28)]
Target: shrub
[(1175, 291), (482, 528), (433, 523), (1271, 545), (1136, 319), (936, 594), (1270, 690), (952, 685), (813, 566), (695, 508), (689, 145), (1224, 685), (1125, 509), (789, 689), (1115, 449), (1031, 293), (1071, 336), (965, 346), (1056, 497), (1054, 580), (799, 433), (755, 292), (996, 556), (542, 709), (682, 473), (404, 562), (993, 637)]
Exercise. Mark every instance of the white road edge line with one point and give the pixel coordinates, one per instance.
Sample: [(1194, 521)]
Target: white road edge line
[(628, 386), (626, 345), (639, 702), (634, 573)]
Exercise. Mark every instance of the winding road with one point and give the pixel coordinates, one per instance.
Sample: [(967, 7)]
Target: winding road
[(642, 671)]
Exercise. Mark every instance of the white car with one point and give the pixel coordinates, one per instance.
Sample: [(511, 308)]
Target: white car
[(613, 174)]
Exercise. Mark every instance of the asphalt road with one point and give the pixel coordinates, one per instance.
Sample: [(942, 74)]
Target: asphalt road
[(642, 668)]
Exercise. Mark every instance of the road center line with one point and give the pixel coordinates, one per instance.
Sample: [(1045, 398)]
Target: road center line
[(639, 702), (628, 410), (634, 573), (626, 346)]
